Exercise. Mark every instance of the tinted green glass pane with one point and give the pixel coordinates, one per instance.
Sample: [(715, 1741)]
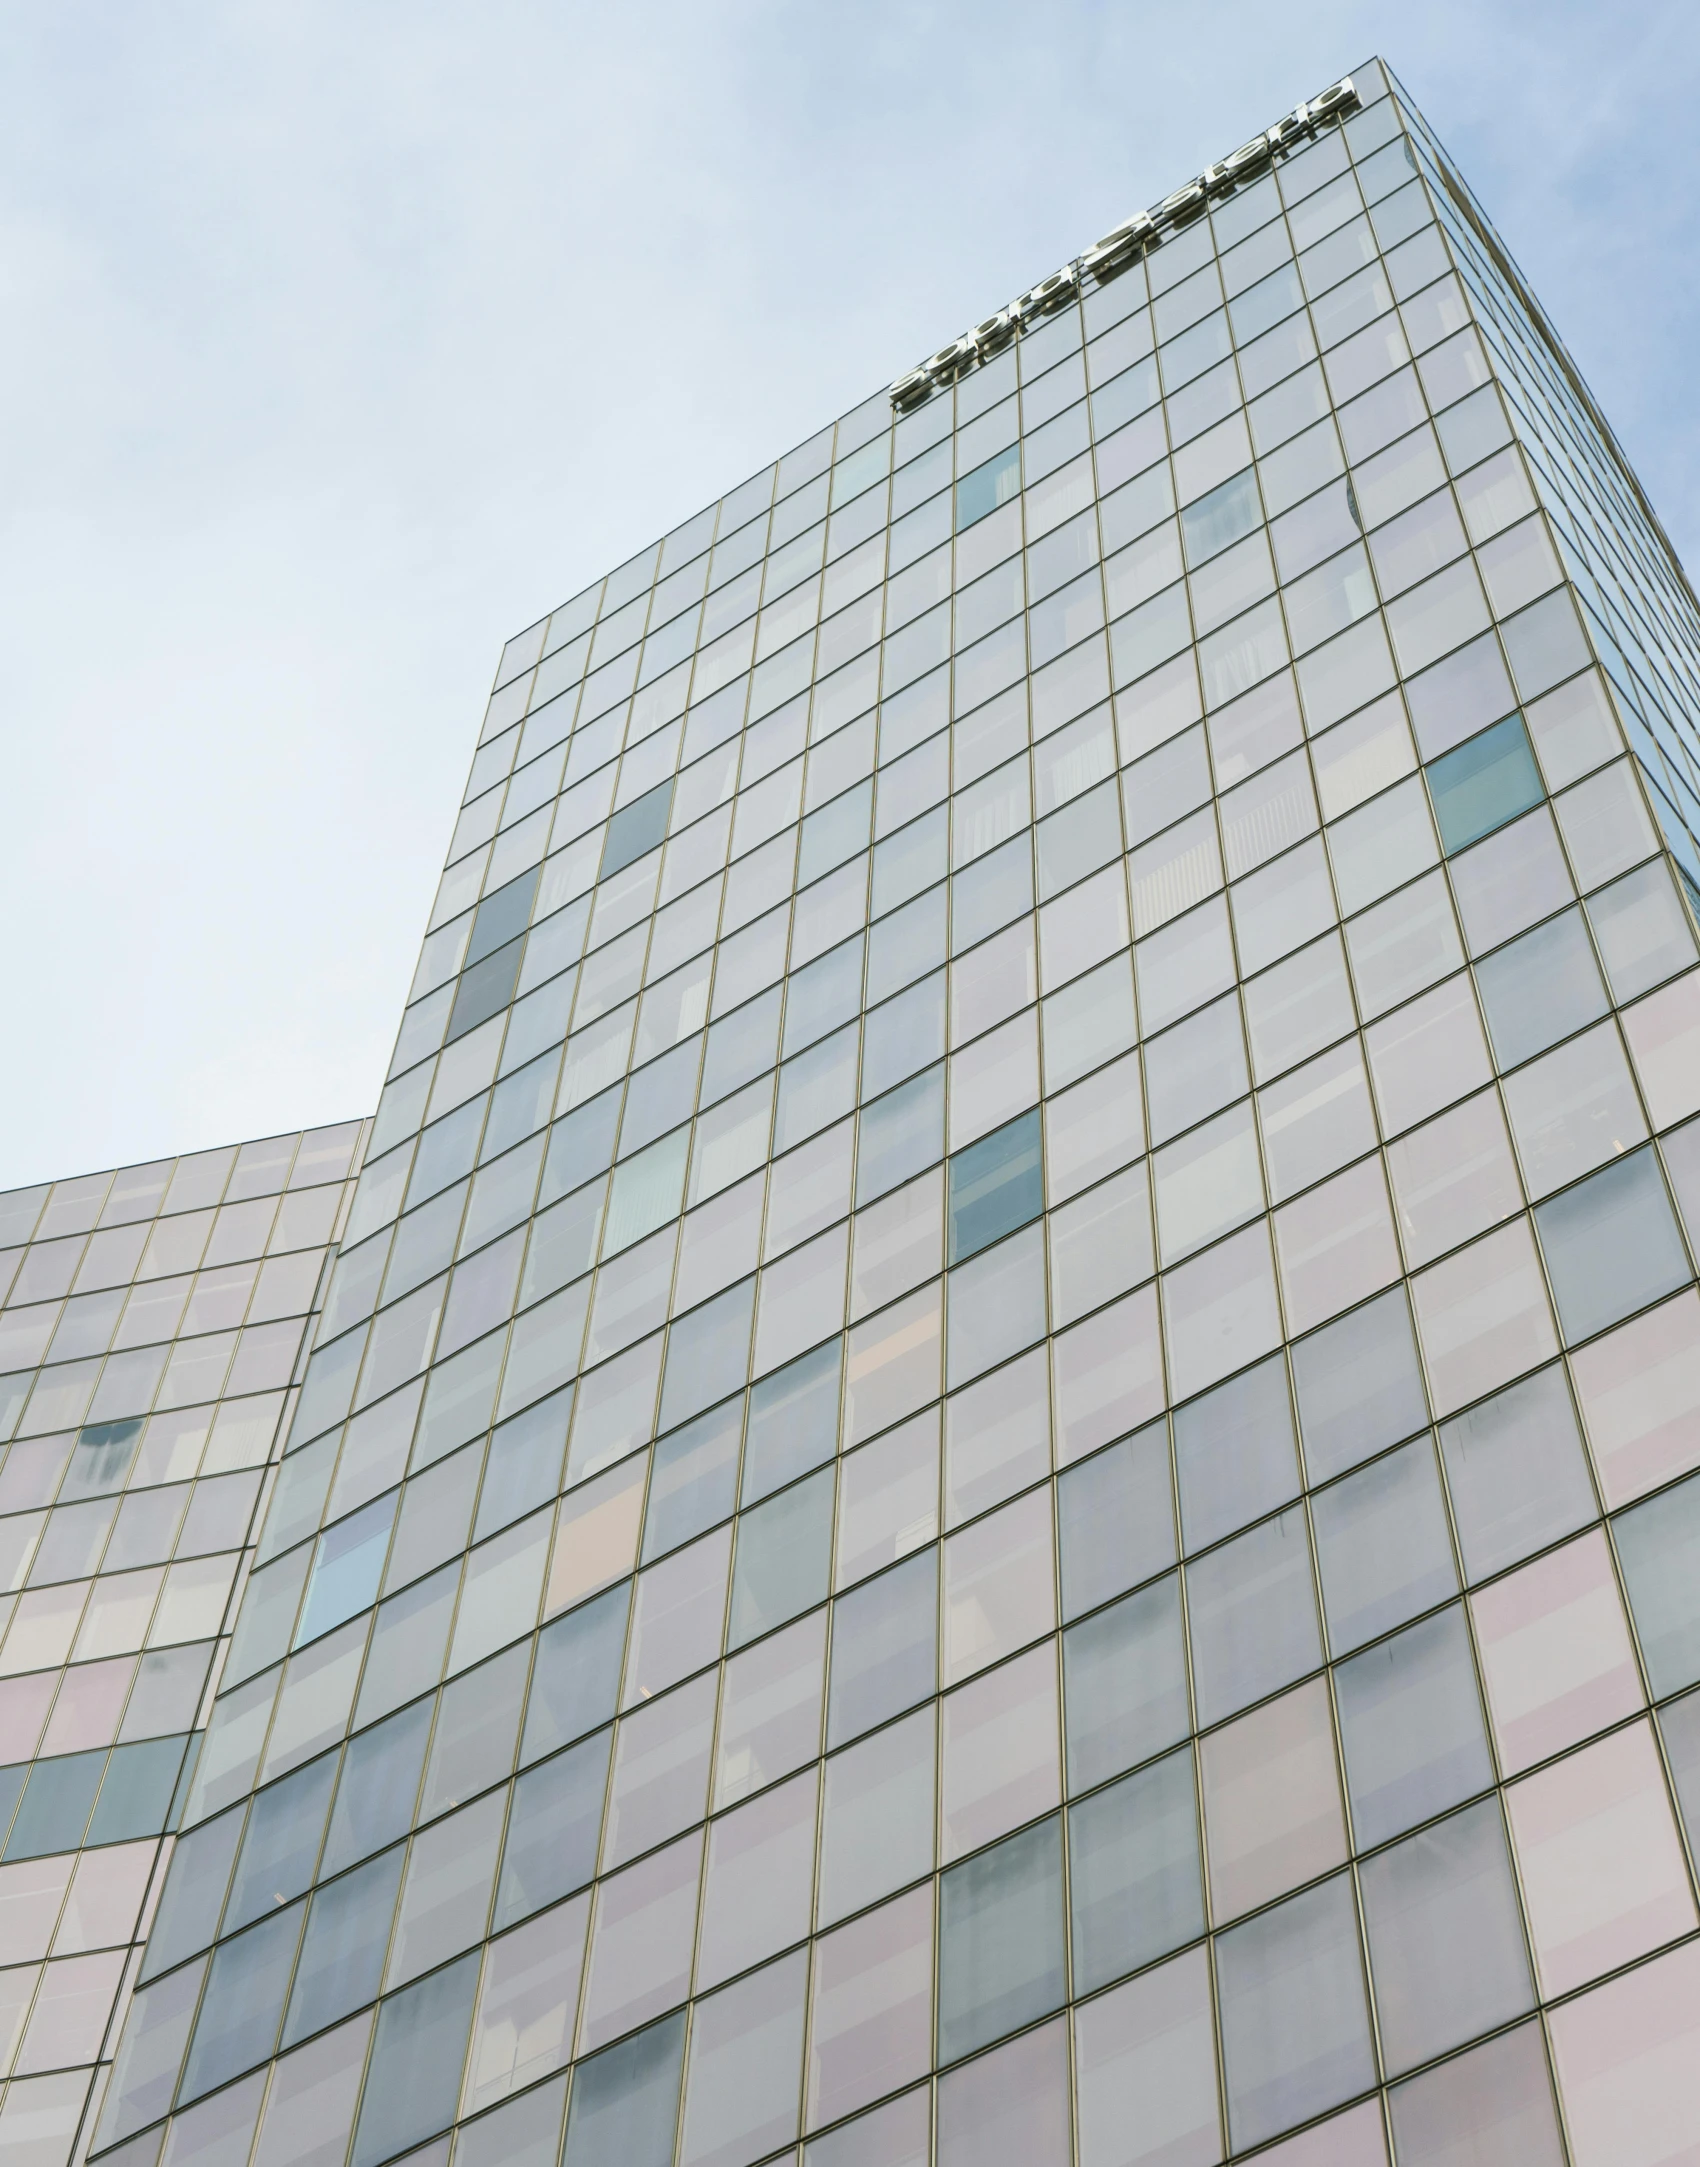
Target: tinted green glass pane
[(784, 1548), (1000, 1940)]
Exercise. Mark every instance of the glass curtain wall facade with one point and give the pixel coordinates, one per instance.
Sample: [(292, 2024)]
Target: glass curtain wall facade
[(1001, 1465), (152, 1327)]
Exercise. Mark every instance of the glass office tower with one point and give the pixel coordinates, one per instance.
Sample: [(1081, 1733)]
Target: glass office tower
[(154, 1323), (1001, 1466)]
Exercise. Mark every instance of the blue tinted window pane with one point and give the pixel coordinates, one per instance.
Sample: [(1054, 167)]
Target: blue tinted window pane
[(1611, 1245), (1133, 1872), (552, 1830), (524, 1464), (485, 990), (414, 2080), (342, 1958), (996, 1185), (502, 915), (636, 829), (884, 1648), (693, 1479), (1295, 2028), (136, 1792), (1253, 1616), (347, 1567), (282, 1844), (12, 1781), (1659, 1543), (626, 2100), (1411, 1723), (1234, 1455), (1227, 513), (1115, 1521), (1540, 989), (988, 486), (784, 1548), (793, 1422), (577, 1674), (187, 1917), (55, 1807), (1383, 1545), (900, 1134), (380, 1780), (1124, 1681), (243, 2002), (1484, 783)]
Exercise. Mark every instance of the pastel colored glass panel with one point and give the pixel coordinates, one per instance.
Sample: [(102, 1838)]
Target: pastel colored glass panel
[(1626, 2056), (1555, 1651), (1603, 1873)]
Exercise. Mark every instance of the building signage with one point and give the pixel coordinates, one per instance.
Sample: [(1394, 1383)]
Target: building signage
[(1120, 247)]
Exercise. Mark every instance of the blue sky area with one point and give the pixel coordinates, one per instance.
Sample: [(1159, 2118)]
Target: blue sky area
[(343, 342)]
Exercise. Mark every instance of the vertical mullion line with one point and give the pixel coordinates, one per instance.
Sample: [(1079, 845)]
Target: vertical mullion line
[(1324, 1644), (1371, 1998), (1182, 1585), (591, 1890), (1066, 1814), (163, 1840), (828, 1635), (721, 1658), (735, 1533), (1465, 1607), (1466, 1613), (1684, 1840), (936, 1832), (1302, 1501), (1064, 1825), (165, 1844), (1378, 1155)]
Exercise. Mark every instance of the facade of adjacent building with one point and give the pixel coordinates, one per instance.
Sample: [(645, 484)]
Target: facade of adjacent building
[(1001, 1454), (155, 1326)]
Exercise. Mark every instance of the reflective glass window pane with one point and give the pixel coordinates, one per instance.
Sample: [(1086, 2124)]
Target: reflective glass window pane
[(1295, 2023), (1134, 1872), (1445, 1937), (1000, 1940)]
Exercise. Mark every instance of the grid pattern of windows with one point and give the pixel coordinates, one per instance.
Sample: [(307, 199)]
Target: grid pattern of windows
[(1003, 1464), (152, 1323), (1639, 608)]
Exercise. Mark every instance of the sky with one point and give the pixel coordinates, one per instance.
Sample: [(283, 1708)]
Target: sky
[(343, 342)]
